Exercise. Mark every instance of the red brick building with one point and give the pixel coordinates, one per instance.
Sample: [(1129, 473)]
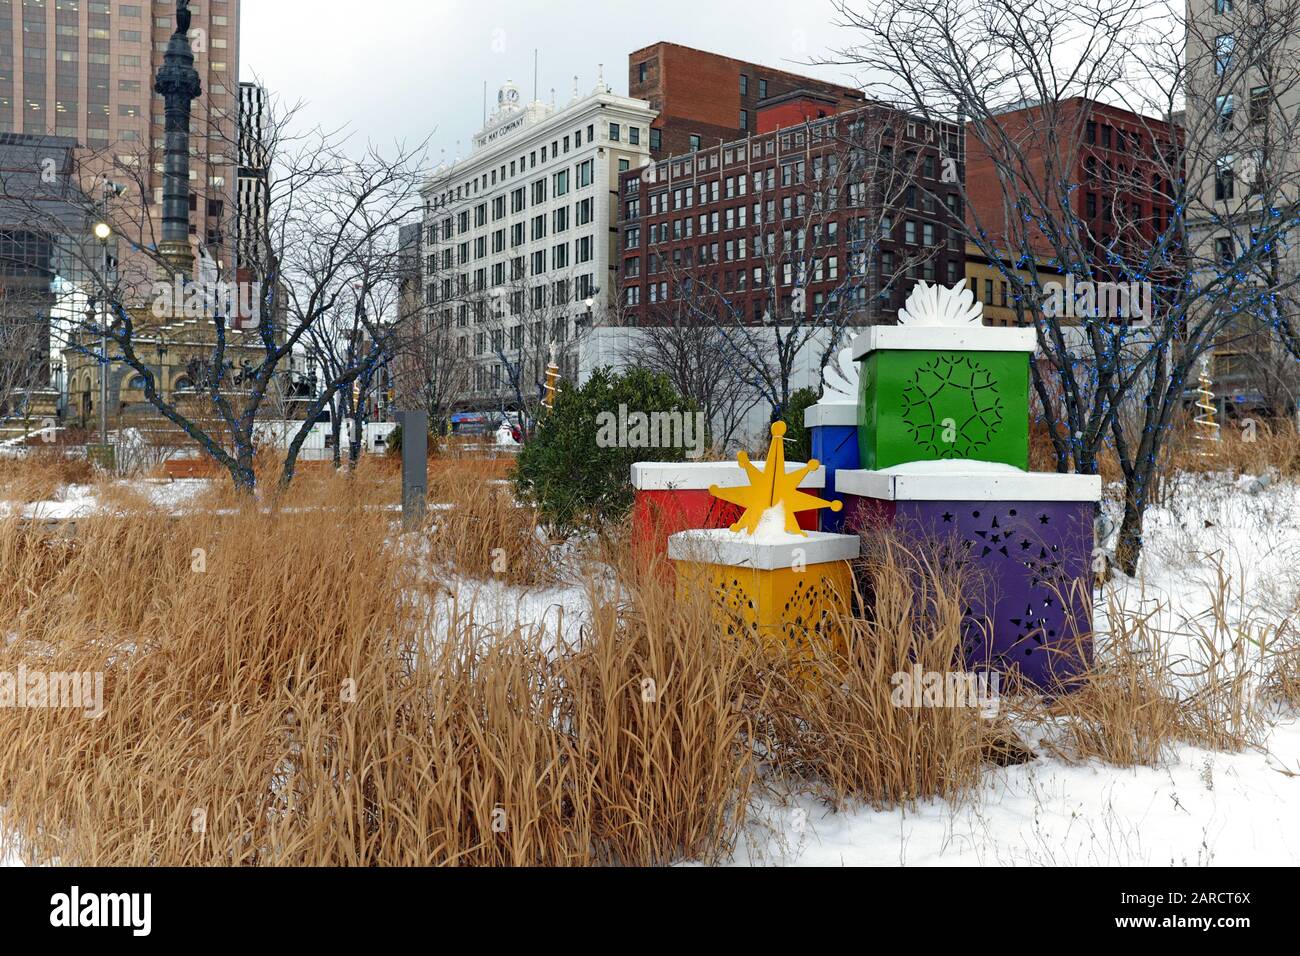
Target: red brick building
[(704, 99), (843, 213), (1109, 152)]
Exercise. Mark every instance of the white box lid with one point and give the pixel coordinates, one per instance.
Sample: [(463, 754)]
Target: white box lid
[(831, 413), (970, 338), (694, 475), (739, 550), (961, 480)]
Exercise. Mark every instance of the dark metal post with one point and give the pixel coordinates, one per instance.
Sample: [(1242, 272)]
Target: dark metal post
[(415, 466), (178, 84)]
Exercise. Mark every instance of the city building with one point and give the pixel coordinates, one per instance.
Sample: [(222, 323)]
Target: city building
[(252, 198), (843, 213), (519, 244), (83, 69), (42, 216), (1117, 159), (703, 99), (1240, 114)]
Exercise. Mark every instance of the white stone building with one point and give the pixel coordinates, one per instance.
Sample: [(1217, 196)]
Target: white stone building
[(519, 254)]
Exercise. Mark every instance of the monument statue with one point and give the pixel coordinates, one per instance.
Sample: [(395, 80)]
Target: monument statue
[(183, 16)]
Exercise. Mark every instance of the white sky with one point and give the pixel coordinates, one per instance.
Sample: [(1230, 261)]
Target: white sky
[(410, 69)]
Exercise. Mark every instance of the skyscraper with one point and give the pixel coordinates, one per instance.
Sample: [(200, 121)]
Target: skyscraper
[(84, 68), (253, 201)]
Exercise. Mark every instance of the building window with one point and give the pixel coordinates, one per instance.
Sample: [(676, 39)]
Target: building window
[(634, 135), (1222, 6), (694, 142), (744, 85), (1223, 106), (744, 120), (656, 138), (1223, 178), (762, 89), (1223, 47), (1259, 101), (1223, 250)]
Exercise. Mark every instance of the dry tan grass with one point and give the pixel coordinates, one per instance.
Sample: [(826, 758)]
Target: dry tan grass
[(1141, 697), (855, 743), (478, 529), (289, 684), (229, 703), (41, 474), (1259, 447)]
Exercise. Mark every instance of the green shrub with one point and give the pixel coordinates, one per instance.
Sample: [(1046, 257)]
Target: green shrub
[(576, 480), (798, 440)]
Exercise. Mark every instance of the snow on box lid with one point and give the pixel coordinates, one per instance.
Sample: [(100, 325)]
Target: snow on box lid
[(739, 550), (936, 318), (961, 480), (697, 475)]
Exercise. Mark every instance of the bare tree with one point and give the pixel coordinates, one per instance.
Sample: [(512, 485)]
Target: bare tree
[(357, 340), (847, 175), (431, 362), (24, 347), (696, 357), (326, 210), (1156, 208)]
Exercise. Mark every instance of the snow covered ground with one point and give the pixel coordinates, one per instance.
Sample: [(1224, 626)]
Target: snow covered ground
[(80, 501), (1202, 809), (1198, 808)]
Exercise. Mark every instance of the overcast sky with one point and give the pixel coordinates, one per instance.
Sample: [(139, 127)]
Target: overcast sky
[(410, 69)]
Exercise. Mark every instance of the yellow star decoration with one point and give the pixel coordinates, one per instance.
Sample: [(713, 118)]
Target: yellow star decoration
[(773, 486)]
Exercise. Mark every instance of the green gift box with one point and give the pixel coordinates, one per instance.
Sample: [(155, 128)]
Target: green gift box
[(941, 385)]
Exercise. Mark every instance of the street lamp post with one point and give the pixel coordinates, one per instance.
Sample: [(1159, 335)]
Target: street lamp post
[(102, 233)]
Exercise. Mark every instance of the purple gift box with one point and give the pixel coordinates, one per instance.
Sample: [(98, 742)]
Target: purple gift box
[(1023, 542)]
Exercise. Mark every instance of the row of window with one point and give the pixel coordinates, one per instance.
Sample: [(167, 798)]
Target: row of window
[(540, 191), (529, 161), (814, 271), (824, 231), (537, 263), (498, 303)]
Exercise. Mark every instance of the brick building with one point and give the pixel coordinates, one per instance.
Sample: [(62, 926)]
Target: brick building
[(704, 99), (1114, 157), (844, 213)]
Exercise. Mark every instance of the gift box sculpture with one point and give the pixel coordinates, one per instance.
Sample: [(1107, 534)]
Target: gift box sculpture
[(769, 578), (944, 438), (674, 496), (928, 435), (942, 385), (833, 424)]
